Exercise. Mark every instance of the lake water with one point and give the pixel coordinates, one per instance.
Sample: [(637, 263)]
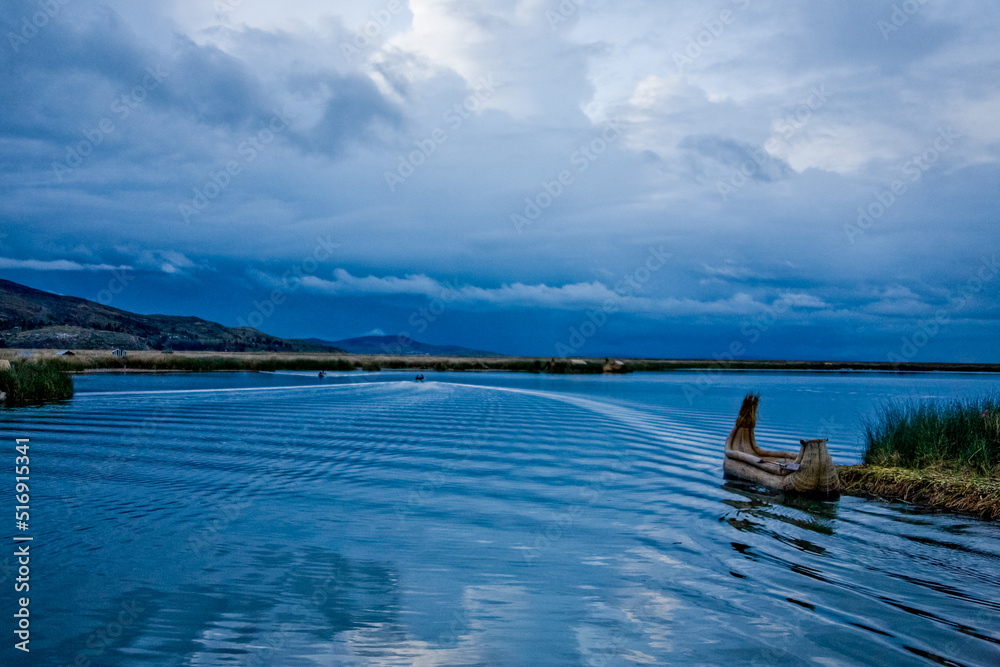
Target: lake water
[(479, 519)]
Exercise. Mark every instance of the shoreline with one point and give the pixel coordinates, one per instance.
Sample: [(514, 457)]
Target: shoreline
[(202, 361), (931, 489)]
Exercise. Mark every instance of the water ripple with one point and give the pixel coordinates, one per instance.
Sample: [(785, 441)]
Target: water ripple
[(460, 523)]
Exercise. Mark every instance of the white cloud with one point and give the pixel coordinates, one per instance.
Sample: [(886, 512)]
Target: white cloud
[(167, 261), (800, 300), (515, 294), (730, 270), (842, 149), (543, 73), (898, 300), (177, 259), (56, 265), (572, 296)]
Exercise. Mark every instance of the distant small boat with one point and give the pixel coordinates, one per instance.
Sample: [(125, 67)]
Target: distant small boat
[(811, 470)]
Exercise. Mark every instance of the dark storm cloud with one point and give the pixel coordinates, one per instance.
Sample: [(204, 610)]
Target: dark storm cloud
[(352, 106), (841, 104), (70, 69), (735, 154), (215, 88), (888, 34)]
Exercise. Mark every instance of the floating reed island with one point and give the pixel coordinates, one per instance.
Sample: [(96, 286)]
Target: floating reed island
[(942, 456)]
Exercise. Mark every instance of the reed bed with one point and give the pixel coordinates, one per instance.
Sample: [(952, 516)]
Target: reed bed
[(944, 456), (26, 382), (960, 435), (206, 361)]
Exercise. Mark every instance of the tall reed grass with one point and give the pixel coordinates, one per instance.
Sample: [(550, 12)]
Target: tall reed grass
[(960, 434), (200, 364), (28, 382)]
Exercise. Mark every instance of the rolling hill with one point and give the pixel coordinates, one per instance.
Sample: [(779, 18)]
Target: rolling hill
[(31, 318)]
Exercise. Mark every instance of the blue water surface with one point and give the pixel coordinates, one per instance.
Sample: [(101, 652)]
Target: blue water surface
[(480, 519)]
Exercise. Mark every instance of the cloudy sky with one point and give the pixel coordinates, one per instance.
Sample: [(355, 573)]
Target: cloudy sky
[(639, 177)]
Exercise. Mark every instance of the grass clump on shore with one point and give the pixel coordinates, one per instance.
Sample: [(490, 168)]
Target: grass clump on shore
[(964, 436), (942, 456), (26, 382)]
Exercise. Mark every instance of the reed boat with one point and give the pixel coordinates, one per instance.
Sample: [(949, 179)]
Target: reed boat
[(811, 470)]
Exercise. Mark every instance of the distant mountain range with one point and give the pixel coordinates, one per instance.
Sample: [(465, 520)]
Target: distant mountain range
[(391, 345), (31, 318)]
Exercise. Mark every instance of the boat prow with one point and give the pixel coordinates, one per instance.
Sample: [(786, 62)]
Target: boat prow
[(811, 470)]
